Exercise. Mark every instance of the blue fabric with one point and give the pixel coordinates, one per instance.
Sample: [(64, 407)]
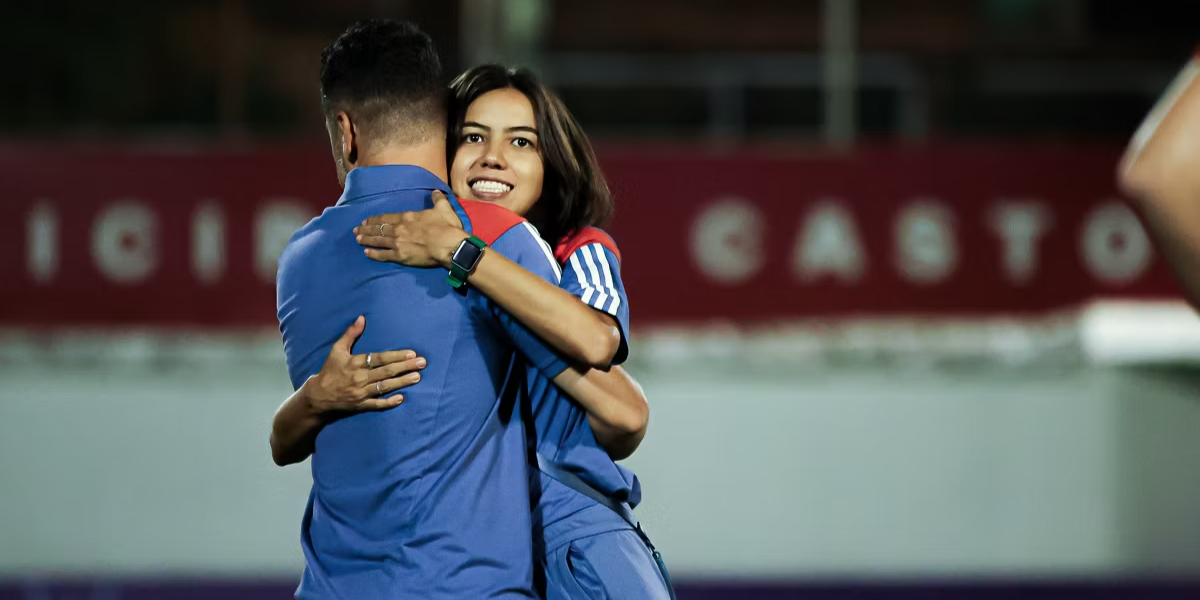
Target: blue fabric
[(429, 499), (613, 565), (581, 525)]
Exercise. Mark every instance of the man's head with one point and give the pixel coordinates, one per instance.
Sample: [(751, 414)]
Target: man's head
[(381, 90)]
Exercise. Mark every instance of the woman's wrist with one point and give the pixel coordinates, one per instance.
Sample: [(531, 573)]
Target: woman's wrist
[(448, 241), (310, 392)]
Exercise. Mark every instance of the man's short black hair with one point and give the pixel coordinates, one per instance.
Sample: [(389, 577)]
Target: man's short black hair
[(387, 76)]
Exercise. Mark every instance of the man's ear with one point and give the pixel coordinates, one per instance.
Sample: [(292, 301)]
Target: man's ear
[(348, 131)]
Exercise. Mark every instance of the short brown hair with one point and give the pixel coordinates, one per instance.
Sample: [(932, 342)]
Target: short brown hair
[(387, 75), (573, 180)]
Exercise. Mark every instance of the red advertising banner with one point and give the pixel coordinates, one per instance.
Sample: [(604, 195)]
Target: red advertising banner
[(174, 237)]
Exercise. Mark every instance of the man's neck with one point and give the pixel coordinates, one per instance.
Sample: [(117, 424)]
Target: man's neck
[(430, 156)]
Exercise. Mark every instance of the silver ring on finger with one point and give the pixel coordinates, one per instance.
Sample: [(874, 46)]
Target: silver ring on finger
[(378, 391), (368, 360), (381, 226)]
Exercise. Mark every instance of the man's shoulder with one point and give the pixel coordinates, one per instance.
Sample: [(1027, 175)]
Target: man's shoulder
[(316, 229), (342, 218), (302, 241)]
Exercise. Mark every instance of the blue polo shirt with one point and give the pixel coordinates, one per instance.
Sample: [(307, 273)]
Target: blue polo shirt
[(429, 499)]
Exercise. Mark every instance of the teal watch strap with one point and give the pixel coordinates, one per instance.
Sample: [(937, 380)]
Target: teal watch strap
[(462, 264)]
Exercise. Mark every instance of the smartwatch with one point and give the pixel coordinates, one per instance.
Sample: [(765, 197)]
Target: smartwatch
[(464, 260)]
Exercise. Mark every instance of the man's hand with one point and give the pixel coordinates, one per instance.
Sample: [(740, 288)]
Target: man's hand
[(349, 382), (426, 238)]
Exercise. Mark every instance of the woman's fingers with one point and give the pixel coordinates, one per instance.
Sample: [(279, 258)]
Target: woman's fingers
[(375, 241), (384, 373), (378, 255), (377, 220), (404, 367), (380, 403), (381, 359), (379, 229), (396, 383), (376, 390)]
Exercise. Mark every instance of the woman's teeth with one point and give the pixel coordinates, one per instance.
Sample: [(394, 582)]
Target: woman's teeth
[(491, 187)]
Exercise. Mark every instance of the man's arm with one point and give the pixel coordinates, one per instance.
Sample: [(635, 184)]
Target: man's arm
[(1161, 174)]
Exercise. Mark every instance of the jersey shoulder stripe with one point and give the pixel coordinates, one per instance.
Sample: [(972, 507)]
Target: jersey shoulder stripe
[(583, 237), (488, 221)]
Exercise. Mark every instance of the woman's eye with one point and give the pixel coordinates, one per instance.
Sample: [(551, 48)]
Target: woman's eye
[(522, 143), (473, 138)]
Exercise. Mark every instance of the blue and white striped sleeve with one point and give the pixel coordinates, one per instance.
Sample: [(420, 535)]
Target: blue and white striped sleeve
[(593, 273)]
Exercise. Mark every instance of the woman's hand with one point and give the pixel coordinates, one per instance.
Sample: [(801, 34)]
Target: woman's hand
[(357, 382), (425, 238)]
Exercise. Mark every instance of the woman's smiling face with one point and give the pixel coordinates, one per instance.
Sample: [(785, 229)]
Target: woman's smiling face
[(498, 157)]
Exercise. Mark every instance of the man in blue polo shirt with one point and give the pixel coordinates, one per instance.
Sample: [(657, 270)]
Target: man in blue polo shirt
[(429, 499)]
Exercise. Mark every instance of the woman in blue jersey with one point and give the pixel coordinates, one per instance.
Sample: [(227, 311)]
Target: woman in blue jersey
[(514, 143)]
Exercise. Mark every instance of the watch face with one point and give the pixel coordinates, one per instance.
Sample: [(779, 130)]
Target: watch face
[(466, 255)]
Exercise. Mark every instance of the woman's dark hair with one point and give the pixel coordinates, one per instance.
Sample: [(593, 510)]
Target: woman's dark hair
[(574, 193)]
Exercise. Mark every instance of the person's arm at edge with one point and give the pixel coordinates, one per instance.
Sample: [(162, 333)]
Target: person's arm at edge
[(1160, 173)]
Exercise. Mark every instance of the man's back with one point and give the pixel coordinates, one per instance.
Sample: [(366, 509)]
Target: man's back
[(428, 499)]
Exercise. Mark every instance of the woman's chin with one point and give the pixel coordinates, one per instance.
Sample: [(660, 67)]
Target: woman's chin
[(494, 198), (503, 199), (482, 197)]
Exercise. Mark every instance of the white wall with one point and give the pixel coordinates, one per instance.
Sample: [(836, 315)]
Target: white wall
[(1159, 458), (881, 473), (770, 474)]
